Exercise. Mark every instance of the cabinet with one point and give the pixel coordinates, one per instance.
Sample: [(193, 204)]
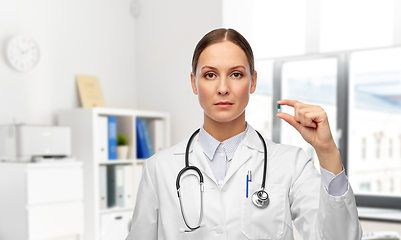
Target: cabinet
[(88, 146), (41, 201)]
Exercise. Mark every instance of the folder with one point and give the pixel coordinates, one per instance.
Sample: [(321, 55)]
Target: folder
[(128, 186), (111, 186), (156, 132), (112, 136), (119, 169), (142, 151), (103, 187), (103, 138), (147, 139)]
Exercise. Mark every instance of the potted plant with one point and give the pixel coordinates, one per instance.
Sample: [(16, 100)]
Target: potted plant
[(122, 146)]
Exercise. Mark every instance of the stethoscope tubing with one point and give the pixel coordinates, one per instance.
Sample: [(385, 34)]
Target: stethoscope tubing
[(256, 198), (264, 160)]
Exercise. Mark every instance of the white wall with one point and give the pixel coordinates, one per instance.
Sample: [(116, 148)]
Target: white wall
[(75, 37), (166, 35)]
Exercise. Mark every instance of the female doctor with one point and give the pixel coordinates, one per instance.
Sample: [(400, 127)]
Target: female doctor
[(229, 156)]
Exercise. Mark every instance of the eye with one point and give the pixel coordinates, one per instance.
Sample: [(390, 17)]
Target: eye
[(237, 75), (210, 75)]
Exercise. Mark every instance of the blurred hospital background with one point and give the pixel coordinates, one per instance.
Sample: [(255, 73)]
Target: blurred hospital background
[(344, 55)]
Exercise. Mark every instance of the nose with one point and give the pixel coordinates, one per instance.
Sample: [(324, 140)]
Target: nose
[(223, 88)]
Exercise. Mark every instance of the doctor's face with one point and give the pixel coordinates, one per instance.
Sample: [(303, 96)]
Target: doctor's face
[(223, 81)]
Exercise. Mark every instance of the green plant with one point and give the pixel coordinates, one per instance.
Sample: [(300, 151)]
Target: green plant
[(122, 140)]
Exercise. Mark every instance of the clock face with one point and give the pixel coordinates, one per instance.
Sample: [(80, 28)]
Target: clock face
[(22, 53)]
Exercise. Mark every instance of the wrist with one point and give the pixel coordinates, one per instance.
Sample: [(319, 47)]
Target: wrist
[(330, 160)]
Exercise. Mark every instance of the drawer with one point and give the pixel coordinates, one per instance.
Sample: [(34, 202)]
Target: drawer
[(62, 220), (115, 225), (55, 184)]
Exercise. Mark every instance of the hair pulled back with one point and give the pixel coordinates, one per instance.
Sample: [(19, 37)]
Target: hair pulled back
[(220, 35)]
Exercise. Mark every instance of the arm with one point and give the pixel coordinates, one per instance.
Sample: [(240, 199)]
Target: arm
[(316, 213), (145, 219)]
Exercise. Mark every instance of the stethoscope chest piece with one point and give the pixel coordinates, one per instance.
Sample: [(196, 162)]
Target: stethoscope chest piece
[(261, 199)]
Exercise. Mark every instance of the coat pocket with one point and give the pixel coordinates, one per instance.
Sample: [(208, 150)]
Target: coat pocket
[(263, 223)]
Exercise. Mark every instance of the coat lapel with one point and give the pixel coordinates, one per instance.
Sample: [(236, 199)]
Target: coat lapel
[(197, 158), (243, 152)]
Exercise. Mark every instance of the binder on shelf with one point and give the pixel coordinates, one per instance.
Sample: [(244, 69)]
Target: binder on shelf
[(103, 138), (112, 136), (128, 186), (119, 169), (147, 138), (111, 186), (115, 186), (142, 151), (156, 131), (103, 186)]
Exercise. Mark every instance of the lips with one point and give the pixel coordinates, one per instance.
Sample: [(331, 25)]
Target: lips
[(224, 104)]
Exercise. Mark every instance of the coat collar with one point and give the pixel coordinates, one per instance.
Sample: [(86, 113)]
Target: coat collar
[(242, 154)]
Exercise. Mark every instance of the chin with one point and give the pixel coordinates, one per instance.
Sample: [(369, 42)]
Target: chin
[(224, 118)]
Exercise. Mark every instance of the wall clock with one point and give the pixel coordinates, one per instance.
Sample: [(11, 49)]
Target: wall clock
[(22, 53)]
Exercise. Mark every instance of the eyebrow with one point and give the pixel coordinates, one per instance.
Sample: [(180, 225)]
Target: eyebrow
[(232, 68)]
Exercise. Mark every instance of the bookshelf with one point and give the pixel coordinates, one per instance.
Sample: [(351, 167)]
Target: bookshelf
[(86, 146)]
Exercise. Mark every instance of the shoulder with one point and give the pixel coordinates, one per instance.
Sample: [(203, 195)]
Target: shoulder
[(167, 156), (279, 149), (287, 155)]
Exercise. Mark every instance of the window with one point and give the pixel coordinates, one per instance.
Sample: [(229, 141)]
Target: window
[(375, 111), (363, 149), (378, 141), (379, 186), (365, 186), (399, 146)]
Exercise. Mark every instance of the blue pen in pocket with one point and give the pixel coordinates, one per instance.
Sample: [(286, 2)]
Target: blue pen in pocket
[(248, 179)]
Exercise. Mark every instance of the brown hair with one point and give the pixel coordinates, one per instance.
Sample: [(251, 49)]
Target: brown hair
[(220, 35)]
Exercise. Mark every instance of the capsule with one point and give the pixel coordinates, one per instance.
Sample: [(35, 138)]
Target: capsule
[(278, 108)]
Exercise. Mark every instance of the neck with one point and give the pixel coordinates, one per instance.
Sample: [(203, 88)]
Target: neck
[(222, 131)]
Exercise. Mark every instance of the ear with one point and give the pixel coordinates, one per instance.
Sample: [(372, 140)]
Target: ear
[(193, 83), (253, 82)]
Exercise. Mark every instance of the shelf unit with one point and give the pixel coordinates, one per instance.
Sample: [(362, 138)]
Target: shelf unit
[(84, 123)]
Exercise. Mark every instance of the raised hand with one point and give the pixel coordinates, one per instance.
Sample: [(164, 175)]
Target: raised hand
[(312, 123)]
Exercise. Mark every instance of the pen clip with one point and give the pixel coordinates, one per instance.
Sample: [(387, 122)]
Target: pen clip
[(250, 175)]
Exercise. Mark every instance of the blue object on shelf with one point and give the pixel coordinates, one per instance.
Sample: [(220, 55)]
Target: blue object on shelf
[(147, 139), (112, 135), (142, 151)]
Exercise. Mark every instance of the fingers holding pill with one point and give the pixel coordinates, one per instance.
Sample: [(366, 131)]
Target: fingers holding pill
[(309, 120)]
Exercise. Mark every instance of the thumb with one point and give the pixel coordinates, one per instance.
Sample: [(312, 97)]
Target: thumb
[(289, 119)]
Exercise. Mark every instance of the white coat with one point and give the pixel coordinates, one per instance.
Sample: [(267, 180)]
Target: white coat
[(293, 184)]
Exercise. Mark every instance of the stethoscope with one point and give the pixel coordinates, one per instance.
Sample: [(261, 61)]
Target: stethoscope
[(259, 198)]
